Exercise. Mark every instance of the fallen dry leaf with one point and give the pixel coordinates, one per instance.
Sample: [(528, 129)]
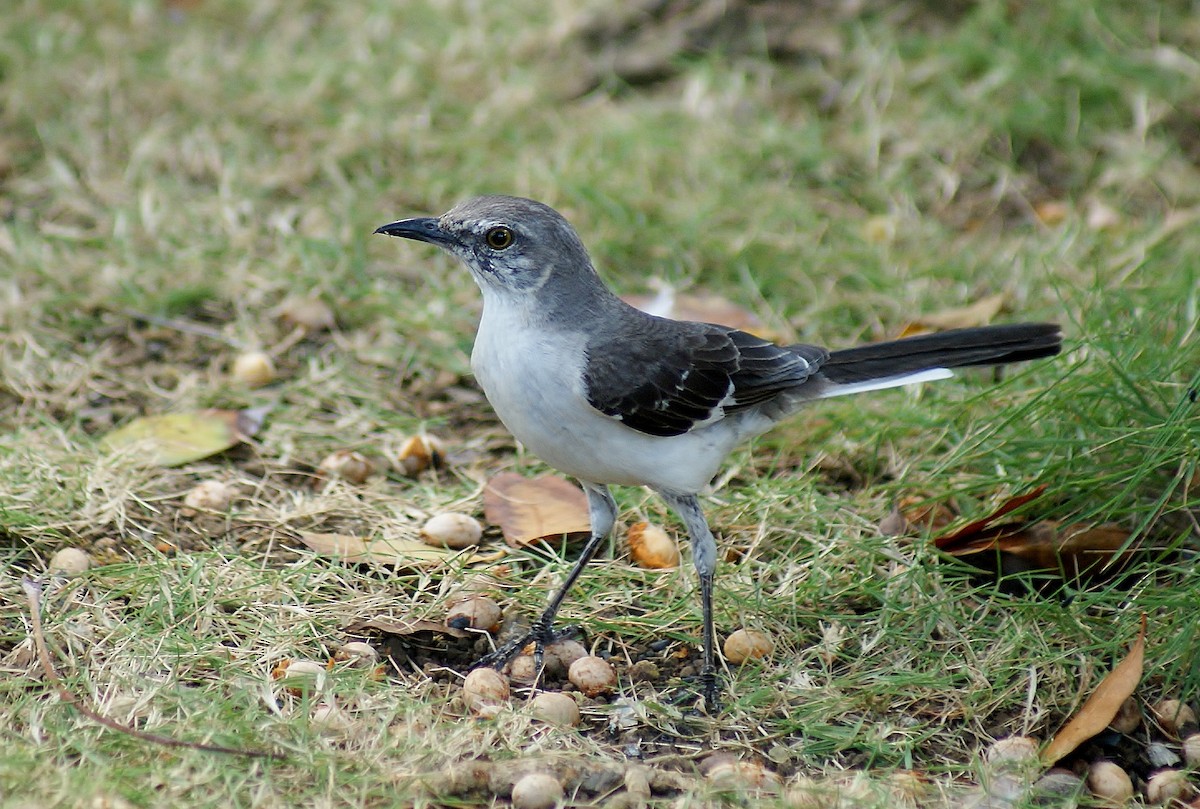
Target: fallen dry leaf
[(947, 542), (395, 552), (402, 627), (916, 513), (1074, 550), (979, 313), (174, 439), (529, 509), (1102, 706)]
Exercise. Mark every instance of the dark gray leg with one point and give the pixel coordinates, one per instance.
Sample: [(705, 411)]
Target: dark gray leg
[(603, 513), (704, 556)]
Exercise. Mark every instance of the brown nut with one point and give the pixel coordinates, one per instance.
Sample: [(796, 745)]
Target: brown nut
[(651, 547), (253, 369), (1128, 717), (1012, 753), (1167, 786), (208, 495), (555, 708), (484, 690), (747, 644), (70, 562), (537, 790), (451, 530), (522, 669), (1174, 717), (357, 653), (474, 612), (310, 314), (592, 675), (1191, 750), (299, 677), (348, 465), (1109, 782), (420, 452), (562, 653)]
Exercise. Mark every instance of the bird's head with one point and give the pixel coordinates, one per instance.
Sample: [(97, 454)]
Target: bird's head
[(511, 245)]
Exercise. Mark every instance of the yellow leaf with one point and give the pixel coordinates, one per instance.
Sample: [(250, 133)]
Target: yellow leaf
[(1101, 707), (174, 439)]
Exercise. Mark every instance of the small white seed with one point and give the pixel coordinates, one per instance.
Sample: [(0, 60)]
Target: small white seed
[(253, 369), (209, 495), (1166, 786), (302, 676), (1012, 753), (450, 530), (1109, 782), (537, 790), (1058, 783), (1191, 750), (70, 561), (483, 689), (522, 669), (348, 465), (474, 612), (747, 644), (556, 708), (1128, 717), (651, 547), (310, 314), (592, 675), (562, 653), (419, 452), (1173, 716), (357, 653), (329, 718)]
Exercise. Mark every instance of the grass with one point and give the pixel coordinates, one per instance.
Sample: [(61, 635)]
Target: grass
[(207, 161)]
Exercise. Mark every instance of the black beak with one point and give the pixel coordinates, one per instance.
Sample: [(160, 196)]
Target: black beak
[(422, 229)]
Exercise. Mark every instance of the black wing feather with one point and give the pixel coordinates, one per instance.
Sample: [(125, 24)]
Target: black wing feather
[(664, 377)]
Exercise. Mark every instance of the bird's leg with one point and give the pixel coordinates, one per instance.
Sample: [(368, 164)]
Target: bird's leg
[(603, 513), (704, 556)]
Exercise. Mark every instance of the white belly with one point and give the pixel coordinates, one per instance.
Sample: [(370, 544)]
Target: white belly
[(532, 379)]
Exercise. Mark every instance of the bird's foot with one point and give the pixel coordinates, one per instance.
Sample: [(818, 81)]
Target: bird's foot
[(710, 689), (702, 691), (541, 635)]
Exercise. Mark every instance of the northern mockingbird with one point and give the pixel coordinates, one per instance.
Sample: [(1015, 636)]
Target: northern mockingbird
[(611, 395)]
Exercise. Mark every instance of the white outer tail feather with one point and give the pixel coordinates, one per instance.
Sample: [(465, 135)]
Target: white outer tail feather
[(928, 375)]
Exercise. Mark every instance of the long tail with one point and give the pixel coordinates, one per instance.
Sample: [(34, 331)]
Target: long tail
[(932, 356)]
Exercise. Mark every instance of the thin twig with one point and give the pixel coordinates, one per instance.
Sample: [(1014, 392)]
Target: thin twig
[(33, 592), (185, 326)]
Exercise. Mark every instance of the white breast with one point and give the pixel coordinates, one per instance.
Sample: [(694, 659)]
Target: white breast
[(532, 376)]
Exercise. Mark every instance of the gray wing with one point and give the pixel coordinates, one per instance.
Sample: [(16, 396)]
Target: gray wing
[(667, 377)]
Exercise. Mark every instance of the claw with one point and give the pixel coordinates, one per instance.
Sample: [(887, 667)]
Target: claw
[(540, 635), (710, 688)]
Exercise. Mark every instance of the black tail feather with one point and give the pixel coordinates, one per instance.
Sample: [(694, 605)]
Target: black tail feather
[(986, 345)]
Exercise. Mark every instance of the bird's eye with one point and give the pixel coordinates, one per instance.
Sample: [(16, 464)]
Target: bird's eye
[(498, 238)]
